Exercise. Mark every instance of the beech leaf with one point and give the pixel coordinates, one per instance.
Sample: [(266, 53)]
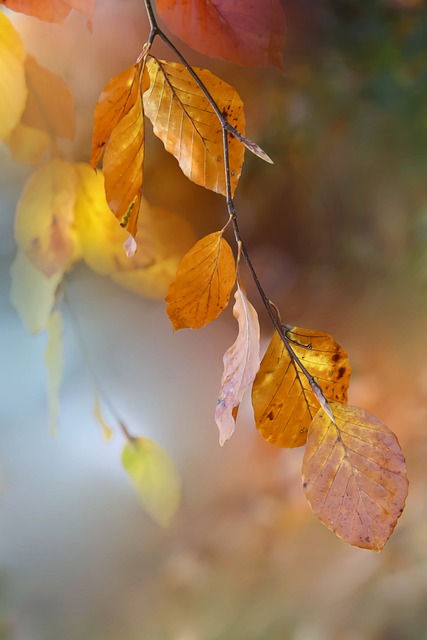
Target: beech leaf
[(283, 400), (13, 88), (155, 478), (186, 124), (248, 33), (354, 476), (54, 360), (50, 10), (27, 144), (241, 363), (203, 283)]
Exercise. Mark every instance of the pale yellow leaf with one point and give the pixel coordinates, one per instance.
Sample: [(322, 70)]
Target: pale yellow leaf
[(27, 144), (54, 360), (241, 363), (13, 89)]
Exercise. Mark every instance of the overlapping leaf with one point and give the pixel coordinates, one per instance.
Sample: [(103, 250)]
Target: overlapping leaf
[(248, 33), (50, 10), (186, 124), (354, 475), (241, 363), (13, 89), (203, 283), (284, 403), (155, 478)]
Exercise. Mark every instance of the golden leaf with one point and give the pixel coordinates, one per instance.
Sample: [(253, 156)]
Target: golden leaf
[(284, 403), (27, 144), (354, 476), (13, 88), (203, 283), (186, 124), (44, 225), (241, 363), (54, 360)]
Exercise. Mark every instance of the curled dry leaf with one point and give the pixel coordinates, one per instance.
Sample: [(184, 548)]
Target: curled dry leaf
[(186, 124), (203, 283), (13, 89), (50, 10), (241, 363), (54, 360), (155, 478), (44, 224), (284, 403), (248, 33), (354, 476)]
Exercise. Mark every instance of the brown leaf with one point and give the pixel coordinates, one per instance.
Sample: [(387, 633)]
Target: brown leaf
[(203, 283), (284, 403), (186, 124), (354, 476), (241, 362), (50, 105), (50, 10), (248, 33)]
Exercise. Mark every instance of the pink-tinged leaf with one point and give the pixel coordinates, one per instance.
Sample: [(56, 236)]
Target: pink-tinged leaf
[(50, 10), (241, 363)]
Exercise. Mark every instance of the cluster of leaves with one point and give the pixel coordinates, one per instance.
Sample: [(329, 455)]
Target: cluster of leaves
[(353, 470)]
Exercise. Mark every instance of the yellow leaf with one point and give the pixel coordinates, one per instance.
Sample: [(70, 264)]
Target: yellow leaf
[(123, 163), (284, 403), (107, 432), (163, 238), (354, 476), (32, 294), (186, 124), (203, 283), (50, 104), (44, 225), (241, 362), (54, 360), (155, 478), (13, 90), (27, 144)]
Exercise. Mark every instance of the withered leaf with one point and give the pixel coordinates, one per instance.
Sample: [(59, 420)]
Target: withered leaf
[(203, 283), (284, 403), (354, 475)]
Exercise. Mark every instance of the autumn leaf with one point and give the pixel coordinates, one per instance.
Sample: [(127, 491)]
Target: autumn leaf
[(186, 124), (203, 283), (13, 89), (44, 224), (354, 476), (27, 144), (284, 403), (32, 294), (54, 360), (123, 162), (248, 33), (163, 238), (155, 478), (50, 10), (241, 363), (50, 104), (107, 432)]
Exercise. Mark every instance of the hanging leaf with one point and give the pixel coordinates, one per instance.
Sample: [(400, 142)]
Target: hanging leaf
[(54, 360), (50, 10), (155, 478), (13, 89), (248, 33), (50, 104), (107, 432), (203, 283), (27, 144), (354, 476), (44, 225), (123, 163), (32, 294), (241, 362), (163, 238), (186, 124), (284, 403)]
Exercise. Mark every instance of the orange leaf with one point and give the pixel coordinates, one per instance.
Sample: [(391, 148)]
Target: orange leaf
[(248, 33), (50, 10), (123, 164), (241, 362), (354, 476), (284, 403), (203, 283), (50, 105), (186, 124)]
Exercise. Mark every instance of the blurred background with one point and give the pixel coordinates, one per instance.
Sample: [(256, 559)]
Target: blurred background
[(337, 229)]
